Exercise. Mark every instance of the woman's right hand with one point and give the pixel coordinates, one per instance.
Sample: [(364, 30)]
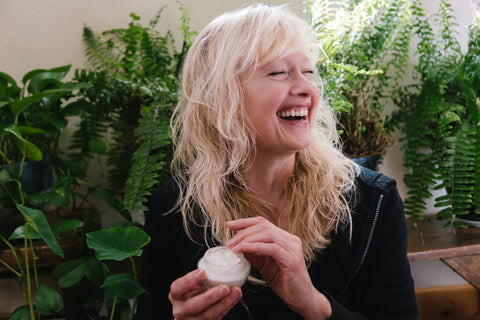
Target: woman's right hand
[(191, 300)]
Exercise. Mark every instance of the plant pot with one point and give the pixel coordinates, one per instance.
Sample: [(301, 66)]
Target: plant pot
[(37, 177), (472, 219), (46, 257)]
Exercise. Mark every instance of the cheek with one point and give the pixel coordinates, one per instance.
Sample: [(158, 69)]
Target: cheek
[(262, 99)]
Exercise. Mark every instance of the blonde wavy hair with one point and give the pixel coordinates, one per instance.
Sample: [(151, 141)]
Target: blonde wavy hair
[(213, 137)]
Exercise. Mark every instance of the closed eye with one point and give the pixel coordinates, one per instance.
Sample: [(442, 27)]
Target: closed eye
[(276, 73)]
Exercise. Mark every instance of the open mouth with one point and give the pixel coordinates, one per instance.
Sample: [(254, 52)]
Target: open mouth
[(293, 115)]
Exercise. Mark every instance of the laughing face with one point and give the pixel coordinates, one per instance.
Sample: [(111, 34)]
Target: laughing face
[(280, 100)]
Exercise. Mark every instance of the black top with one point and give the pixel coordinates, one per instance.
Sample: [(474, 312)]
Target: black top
[(367, 277)]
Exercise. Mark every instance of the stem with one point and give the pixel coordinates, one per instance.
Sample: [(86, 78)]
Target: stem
[(134, 269), (13, 252), (29, 284), (113, 308), (10, 268), (34, 264), (19, 184)]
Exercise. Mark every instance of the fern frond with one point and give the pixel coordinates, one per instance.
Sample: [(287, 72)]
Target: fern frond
[(99, 54), (147, 161)]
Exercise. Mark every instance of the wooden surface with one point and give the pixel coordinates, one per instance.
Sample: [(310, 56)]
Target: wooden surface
[(467, 266), (457, 302), (428, 240)]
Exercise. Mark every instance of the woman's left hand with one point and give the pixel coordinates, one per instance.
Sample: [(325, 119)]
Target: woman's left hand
[(278, 256)]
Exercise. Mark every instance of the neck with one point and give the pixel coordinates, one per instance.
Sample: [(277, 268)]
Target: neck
[(267, 178)]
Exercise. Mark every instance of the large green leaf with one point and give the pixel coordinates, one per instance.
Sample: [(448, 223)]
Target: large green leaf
[(21, 313), (70, 272), (117, 243), (122, 285), (47, 300), (17, 107), (38, 222)]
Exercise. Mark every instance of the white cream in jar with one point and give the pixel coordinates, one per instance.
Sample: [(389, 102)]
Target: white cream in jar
[(221, 265)]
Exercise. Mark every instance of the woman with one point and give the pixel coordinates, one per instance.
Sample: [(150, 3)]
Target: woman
[(257, 169)]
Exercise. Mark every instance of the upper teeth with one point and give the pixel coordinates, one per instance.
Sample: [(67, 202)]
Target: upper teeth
[(293, 113)]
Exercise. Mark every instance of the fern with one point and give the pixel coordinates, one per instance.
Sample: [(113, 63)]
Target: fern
[(128, 68), (147, 161), (441, 122)]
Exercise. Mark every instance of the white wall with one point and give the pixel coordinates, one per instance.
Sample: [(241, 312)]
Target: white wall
[(47, 33)]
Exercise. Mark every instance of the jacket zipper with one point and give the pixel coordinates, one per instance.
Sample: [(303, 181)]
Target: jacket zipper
[(370, 236), (369, 242)]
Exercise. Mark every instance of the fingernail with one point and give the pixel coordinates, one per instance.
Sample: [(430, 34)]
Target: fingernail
[(236, 293), (200, 275), (224, 289), (237, 249)]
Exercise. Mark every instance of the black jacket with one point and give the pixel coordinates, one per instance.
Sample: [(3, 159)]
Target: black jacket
[(367, 277)]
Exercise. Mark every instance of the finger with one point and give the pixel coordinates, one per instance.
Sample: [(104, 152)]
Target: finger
[(268, 234), (243, 234), (202, 302), (246, 222), (220, 309), (248, 226), (189, 282), (272, 250)]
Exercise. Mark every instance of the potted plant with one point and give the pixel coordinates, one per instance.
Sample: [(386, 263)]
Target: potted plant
[(50, 212), (364, 51), (128, 69), (133, 75), (31, 122), (441, 123)]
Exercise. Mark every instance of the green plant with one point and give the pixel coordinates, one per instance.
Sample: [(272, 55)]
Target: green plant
[(134, 82), (128, 69), (440, 119), (31, 122), (364, 51)]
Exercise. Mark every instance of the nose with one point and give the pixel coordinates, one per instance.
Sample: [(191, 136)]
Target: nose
[(303, 86)]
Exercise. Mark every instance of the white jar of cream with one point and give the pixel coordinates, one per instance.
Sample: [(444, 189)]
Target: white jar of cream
[(221, 265)]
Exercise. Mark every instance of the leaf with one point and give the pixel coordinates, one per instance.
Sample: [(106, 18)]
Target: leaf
[(98, 146), (66, 225), (47, 300), (19, 106), (122, 285), (19, 233), (36, 219), (71, 272), (117, 243), (25, 147), (21, 313)]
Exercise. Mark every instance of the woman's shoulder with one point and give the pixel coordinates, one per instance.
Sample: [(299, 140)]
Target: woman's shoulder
[(374, 180)]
